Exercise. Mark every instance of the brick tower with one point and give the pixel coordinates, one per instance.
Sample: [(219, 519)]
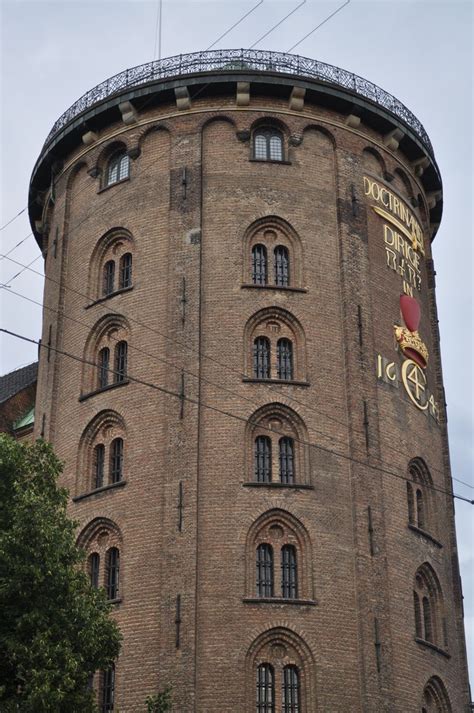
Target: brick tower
[(241, 372)]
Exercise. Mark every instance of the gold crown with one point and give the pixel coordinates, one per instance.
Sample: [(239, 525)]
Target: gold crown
[(412, 345)]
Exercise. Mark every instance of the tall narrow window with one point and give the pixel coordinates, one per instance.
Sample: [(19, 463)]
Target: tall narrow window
[(108, 689), (285, 359), (263, 459), (108, 277), (282, 266), (125, 279), (120, 362), (420, 513), (261, 358), (99, 458), (116, 460), (264, 570), (94, 564), (259, 265), (427, 619), (268, 145), (265, 688), (418, 624), (290, 690), (104, 359), (411, 513), (112, 573), (287, 459), (289, 574), (118, 168)]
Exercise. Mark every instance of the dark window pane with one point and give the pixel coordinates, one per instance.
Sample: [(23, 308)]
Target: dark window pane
[(104, 358), (420, 514), (259, 265), (291, 690), (265, 689), (287, 460), (125, 279), (264, 571), (120, 362), (285, 359), (282, 266), (289, 574), (112, 573), (263, 459), (108, 689), (109, 275), (94, 564), (261, 358), (427, 620), (99, 459), (411, 514), (116, 460), (418, 625)]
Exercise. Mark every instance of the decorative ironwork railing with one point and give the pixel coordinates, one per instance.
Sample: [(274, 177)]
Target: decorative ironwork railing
[(240, 59)]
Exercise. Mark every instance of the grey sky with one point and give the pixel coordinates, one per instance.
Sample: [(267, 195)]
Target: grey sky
[(422, 52)]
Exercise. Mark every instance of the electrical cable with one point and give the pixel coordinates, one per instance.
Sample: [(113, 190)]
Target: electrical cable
[(234, 25), (229, 414), (277, 25), (320, 25), (14, 218)]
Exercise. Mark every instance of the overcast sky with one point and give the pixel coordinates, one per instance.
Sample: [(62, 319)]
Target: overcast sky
[(422, 52)]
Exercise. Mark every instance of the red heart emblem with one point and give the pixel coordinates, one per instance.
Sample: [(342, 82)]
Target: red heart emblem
[(411, 312)]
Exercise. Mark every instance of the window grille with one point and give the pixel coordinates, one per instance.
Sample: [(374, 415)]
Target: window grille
[(118, 168), (125, 279), (265, 688), (116, 460), (289, 574), (287, 459), (261, 358), (99, 459), (263, 459), (291, 690), (427, 619), (94, 564), (108, 689), (268, 145), (282, 266), (112, 568), (420, 515), (120, 362), (285, 359), (109, 277), (104, 359), (259, 265), (264, 570)]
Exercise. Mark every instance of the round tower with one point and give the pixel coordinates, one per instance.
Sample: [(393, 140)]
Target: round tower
[(240, 369)]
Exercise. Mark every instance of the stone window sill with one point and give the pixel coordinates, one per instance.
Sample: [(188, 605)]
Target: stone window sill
[(115, 601), (290, 486), (425, 534), (280, 600), (289, 288), (429, 645), (288, 382), (112, 185), (270, 160), (84, 397), (108, 297), (103, 489)]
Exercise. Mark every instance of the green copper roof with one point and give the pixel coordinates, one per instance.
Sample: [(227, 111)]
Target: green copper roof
[(27, 420)]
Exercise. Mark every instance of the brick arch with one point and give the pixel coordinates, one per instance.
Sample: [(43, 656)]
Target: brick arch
[(93, 528), (430, 622), (106, 426), (216, 119), (278, 527), (281, 646), (403, 183), (271, 231), (421, 497), (161, 127), (272, 122), (275, 323), (98, 538), (373, 161), (108, 331), (107, 152), (277, 420), (322, 130), (435, 697), (110, 246)]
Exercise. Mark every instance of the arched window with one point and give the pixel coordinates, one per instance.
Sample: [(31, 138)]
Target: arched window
[(265, 688), (287, 458), (289, 574), (120, 362), (285, 359), (435, 697), (125, 278), (116, 460), (104, 361), (282, 266), (264, 570), (268, 145), (418, 621), (261, 358), (259, 264), (291, 690), (118, 168), (420, 496), (112, 573), (429, 607), (94, 567), (109, 278), (98, 465), (263, 459), (108, 689)]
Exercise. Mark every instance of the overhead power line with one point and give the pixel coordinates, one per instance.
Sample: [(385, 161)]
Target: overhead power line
[(311, 32), (277, 24), (234, 25)]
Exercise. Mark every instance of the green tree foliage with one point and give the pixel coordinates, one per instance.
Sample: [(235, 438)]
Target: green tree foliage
[(161, 703), (55, 629)]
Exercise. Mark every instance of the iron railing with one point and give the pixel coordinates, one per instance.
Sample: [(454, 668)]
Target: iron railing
[(241, 60)]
